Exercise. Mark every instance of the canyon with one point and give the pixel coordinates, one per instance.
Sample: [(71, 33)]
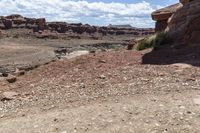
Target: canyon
[(64, 77)]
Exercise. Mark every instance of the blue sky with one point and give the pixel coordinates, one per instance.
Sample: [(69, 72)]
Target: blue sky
[(95, 12)]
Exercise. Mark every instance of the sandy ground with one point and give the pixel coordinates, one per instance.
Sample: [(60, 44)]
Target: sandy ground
[(104, 92)]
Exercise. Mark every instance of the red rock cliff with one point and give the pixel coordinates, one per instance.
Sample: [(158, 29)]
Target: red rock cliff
[(184, 25)]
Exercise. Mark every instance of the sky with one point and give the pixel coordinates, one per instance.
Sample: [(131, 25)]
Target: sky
[(94, 12)]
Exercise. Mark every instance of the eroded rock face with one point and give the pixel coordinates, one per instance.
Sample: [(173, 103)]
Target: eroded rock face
[(43, 29), (184, 1), (41, 22), (162, 16), (7, 23), (161, 25), (184, 25)]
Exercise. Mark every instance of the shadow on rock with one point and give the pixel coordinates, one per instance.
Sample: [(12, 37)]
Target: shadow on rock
[(188, 54)]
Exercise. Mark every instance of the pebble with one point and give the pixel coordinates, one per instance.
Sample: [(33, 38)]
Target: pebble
[(102, 76), (11, 79), (102, 61)]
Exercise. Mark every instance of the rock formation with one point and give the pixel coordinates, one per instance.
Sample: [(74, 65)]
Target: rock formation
[(162, 16), (53, 29), (182, 23)]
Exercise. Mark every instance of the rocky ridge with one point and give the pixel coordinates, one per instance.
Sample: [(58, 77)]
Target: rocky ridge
[(46, 29)]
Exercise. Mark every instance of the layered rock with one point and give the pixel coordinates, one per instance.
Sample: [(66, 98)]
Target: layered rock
[(51, 29), (162, 16), (7, 23), (184, 25), (181, 21)]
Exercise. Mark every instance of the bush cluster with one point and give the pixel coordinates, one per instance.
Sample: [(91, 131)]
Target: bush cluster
[(154, 41)]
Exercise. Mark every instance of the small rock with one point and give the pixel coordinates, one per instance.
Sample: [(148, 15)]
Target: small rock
[(189, 112), (9, 95), (11, 79), (102, 76), (92, 51), (5, 74), (102, 61), (19, 73), (82, 85), (55, 120)]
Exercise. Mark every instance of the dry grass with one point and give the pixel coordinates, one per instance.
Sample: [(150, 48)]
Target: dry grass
[(154, 41)]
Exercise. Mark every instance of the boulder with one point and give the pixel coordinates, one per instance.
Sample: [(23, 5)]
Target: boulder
[(11, 78), (131, 44)]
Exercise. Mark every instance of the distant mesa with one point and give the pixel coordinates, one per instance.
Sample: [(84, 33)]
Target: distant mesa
[(53, 29), (120, 26)]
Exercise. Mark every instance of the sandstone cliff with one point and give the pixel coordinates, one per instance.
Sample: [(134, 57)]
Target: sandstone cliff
[(184, 25), (39, 25), (162, 16), (181, 21)]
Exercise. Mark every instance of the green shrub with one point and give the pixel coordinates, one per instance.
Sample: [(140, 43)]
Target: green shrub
[(154, 41), (115, 47)]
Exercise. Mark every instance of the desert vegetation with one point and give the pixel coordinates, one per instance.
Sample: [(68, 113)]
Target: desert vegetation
[(154, 41)]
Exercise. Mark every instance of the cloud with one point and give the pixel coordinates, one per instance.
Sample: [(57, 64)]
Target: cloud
[(96, 13)]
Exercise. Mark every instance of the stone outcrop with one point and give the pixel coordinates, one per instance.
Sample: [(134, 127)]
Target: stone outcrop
[(183, 24), (7, 23), (162, 16)]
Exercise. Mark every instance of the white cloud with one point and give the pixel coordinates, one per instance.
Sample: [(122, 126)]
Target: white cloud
[(100, 13)]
